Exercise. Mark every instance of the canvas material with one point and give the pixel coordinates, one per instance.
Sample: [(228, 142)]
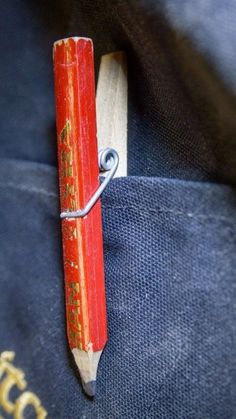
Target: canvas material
[(170, 284), (169, 231)]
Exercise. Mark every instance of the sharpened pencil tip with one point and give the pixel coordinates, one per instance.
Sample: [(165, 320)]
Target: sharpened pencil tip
[(90, 388), (87, 363)]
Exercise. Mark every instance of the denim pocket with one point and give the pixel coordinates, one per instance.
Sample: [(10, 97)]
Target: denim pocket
[(170, 283), (170, 271)]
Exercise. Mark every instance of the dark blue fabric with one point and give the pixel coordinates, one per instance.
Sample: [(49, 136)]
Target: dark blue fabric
[(181, 80), (170, 279), (169, 229)]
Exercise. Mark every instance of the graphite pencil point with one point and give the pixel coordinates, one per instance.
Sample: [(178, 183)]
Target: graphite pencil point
[(89, 388), (87, 363)]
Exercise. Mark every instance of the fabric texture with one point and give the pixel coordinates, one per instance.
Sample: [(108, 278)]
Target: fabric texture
[(169, 227), (170, 259)]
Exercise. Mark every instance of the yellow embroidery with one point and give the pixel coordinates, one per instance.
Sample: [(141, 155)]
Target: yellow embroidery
[(11, 376), (28, 398)]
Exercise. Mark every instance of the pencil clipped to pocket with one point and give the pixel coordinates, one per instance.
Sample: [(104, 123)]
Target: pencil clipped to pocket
[(80, 189)]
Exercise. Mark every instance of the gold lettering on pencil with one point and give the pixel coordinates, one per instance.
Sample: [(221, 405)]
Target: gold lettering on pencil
[(66, 156), (75, 286), (71, 301), (68, 190), (10, 377), (73, 289), (67, 171), (73, 316), (72, 204), (74, 336), (71, 264), (70, 233), (64, 135), (75, 311)]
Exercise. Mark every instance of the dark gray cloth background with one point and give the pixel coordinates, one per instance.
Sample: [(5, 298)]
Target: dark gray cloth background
[(169, 227)]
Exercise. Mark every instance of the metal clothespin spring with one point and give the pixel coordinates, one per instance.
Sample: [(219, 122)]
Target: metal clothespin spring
[(108, 160)]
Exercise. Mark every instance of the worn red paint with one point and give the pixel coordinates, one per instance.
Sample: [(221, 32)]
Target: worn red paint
[(78, 179)]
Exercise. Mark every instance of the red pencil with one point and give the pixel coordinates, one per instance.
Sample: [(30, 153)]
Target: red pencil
[(78, 179)]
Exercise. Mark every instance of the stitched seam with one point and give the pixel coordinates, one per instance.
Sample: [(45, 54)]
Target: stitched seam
[(144, 210), (149, 211)]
